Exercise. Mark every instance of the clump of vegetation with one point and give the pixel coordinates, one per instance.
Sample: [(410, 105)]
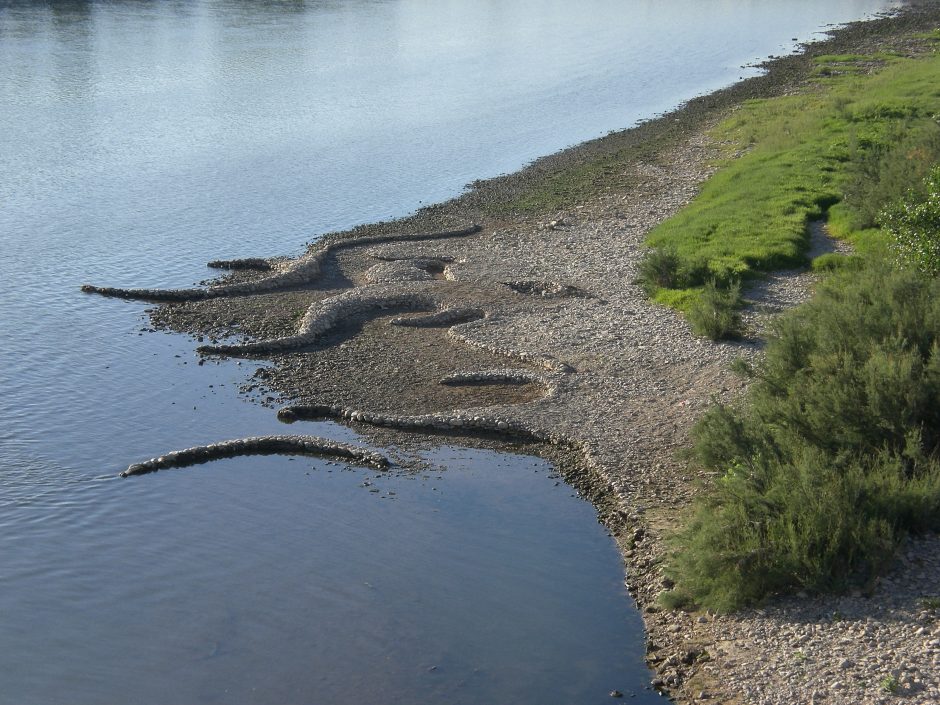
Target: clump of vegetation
[(659, 269), (833, 455), (889, 684), (833, 262), (914, 226), (891, 170), (853, 145), (836, 64), (715, 313)]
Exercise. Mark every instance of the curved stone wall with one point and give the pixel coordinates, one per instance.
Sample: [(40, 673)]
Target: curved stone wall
[(324, 315), (301, 271), (259, 445)]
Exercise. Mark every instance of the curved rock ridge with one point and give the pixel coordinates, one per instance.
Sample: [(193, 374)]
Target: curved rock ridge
[(397, 271), (385, 254), (416, 268), (546, 362), (257, 263), (259, 445), (442, 319), (586, 474), (455, 422), (324, 315), (303, 270), (501, 376)]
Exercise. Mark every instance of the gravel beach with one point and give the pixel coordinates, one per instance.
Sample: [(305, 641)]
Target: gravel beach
[(529, 329)]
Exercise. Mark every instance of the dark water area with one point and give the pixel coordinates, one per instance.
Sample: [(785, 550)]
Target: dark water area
[(139, 140), (272, 580)]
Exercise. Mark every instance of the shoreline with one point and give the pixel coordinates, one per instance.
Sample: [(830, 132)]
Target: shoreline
[(567, 352)]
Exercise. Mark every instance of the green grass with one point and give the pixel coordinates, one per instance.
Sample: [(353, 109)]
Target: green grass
[(833, 262), (839, 58), (799, 155), (679, 299), (835, 64)]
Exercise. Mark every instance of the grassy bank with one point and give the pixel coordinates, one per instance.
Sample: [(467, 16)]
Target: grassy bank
[(832, 457), (862, 131)]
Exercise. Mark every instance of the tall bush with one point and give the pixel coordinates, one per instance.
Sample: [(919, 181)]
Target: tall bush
[(833, 455), (887, 171), (715, 313), (914, 226)]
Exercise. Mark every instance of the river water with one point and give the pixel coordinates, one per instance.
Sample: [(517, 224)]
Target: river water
[(139, 140)]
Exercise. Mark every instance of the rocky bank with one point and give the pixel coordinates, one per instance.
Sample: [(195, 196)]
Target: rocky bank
[(504, 325)]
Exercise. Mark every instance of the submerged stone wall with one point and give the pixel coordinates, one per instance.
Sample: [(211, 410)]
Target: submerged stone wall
[(303, 270), (259, 445)]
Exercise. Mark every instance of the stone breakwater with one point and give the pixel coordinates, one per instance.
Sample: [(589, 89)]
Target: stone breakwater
[(409, 269), (464, 335), (303, 270), (454, 422), (493, 377), (259, 445), (324, 315), (442, 319), (255, 263), (581, 472)]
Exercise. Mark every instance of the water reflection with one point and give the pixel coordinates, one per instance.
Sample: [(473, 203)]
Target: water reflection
[(269, 580)]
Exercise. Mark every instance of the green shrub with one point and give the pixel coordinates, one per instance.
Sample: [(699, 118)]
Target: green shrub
[(914, 226), (833, 455), (715, 313), (885, 173), (812, 522), (659, 269)]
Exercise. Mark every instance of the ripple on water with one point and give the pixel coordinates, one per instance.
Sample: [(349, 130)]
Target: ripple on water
[(288, 580)]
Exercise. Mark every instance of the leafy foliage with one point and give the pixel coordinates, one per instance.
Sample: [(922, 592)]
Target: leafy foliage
[(891, 170), (914, 226), (832, 456), (715, 313)]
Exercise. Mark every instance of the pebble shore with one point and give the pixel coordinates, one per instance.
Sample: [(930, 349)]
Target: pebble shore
[(529, 327)]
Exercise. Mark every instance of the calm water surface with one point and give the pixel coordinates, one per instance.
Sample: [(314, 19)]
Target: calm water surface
[(139, 140)]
